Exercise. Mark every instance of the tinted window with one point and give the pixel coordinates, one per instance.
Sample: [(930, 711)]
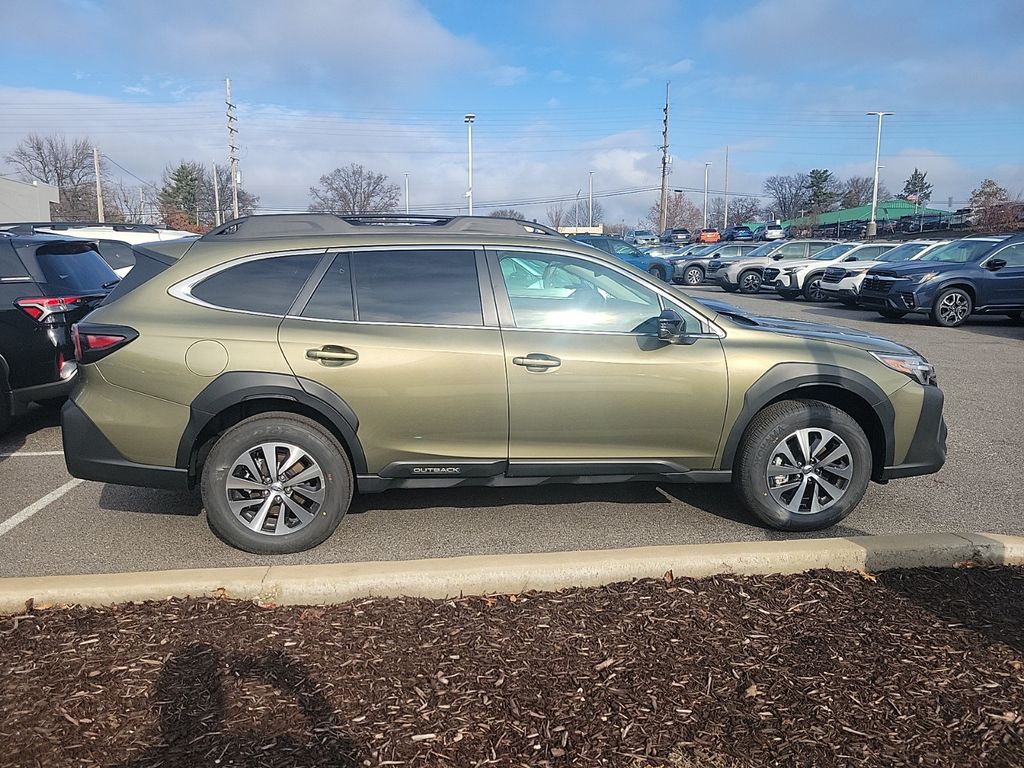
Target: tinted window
[(74, 272), (332, 299), (792, 251), (263, 285), (10, 264), (439, 287), (550, 292), (620, 248), (833, 251), (117, 254), (1012, 255)]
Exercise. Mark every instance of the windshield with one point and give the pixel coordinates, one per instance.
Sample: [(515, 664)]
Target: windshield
[(904, 252), (960, 251), (834, 251)]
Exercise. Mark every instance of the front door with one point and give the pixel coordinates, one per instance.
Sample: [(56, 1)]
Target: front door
[(1005, 286), (402, 336), (589, 382)]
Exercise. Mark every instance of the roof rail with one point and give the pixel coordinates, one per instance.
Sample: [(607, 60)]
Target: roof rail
[(290, 224), (29, 227)]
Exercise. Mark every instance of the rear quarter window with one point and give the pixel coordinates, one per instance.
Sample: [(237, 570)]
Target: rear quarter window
[(10, 264), (266, 285)]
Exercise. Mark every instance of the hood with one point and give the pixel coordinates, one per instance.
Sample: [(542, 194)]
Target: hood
[(803, 329), (914, 268), (785, 264)]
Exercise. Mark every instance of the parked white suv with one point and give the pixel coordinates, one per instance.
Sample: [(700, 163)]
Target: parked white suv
[(804, 276), (841, 282), (774, 232)]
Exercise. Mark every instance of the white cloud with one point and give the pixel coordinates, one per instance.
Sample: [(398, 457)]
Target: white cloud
[(680, 67), (506, 75)]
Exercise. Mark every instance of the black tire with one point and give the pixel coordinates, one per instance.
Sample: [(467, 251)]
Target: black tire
[(766, 431), (694, 275), (750, 281), (788, 295), (1015, 316), (812, 289), (301, 432), (658, 272), (891, 314), (730, 288), (951, 308), (5, 410)]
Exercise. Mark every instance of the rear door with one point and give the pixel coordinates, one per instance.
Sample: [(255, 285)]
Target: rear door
[(406, 337)]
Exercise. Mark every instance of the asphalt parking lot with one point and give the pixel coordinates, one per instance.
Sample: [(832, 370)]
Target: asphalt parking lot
[(50, 524)]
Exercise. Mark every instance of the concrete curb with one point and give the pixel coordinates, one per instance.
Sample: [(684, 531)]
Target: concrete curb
[(507, 574)]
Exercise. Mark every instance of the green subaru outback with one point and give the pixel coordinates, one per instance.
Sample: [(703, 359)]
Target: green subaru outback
[(283, 363)]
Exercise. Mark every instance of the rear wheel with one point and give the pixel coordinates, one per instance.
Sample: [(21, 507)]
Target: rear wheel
[(802, 465), (694, 275), (276, 483), (952, 307), (750, 281), (657, 271), (812, 289), (891, 314)]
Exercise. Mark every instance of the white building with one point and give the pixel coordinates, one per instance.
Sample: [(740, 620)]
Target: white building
[(26, 201)]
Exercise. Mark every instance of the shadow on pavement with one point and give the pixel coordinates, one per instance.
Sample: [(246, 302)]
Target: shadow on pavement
[(150, 501), (33, 420), (199, 727)]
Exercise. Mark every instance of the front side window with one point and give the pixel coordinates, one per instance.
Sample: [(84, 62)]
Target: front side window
[(434, 287), (1013, 255), (791, 251), (833, 252), (558, 292), (268, 285)]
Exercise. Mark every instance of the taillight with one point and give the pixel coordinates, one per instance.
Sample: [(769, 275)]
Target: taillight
[(41, 307), (94, 341)]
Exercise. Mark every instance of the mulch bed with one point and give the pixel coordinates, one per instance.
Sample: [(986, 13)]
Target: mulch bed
[(921, 667)]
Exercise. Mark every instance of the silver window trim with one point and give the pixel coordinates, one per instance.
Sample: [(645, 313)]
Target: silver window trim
[(22, 279)]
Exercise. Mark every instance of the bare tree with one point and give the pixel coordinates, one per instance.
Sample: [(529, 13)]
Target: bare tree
[(741, 211), (580, 211), (788, 194), (507, 213), (993, 208), (66, 164), (130, 202), (680, 212), (558, 216), (354, 189)]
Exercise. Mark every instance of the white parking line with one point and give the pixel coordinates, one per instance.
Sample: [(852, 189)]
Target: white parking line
[(16, 454), (31, 509)]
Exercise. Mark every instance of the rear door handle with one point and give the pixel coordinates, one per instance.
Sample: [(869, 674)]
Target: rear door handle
[(537, 362), (330, 354)]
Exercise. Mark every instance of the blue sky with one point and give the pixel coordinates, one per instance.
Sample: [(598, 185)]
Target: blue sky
[(560, 88)]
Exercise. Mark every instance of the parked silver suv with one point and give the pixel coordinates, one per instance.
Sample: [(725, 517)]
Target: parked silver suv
[(746, 274)]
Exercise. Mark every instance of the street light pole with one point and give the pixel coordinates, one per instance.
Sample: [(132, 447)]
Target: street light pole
[(468, 119), (706, 166), (407, 194), (590, 202), (872, 225)]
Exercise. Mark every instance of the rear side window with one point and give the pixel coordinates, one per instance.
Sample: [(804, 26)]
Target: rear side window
[(268, 286), (70, 272), (10, 264), (434, 287), (117, 254)]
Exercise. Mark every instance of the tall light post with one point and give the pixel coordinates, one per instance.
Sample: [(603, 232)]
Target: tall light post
[(468, 119), (590, 202), (872, 226), (406, 194), (706, 166)]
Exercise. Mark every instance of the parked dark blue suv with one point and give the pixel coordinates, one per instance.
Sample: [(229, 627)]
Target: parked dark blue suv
[(952, 282), (630, 254)]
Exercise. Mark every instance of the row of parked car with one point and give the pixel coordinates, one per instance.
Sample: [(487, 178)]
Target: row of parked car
[(949, 280), (683, 236)]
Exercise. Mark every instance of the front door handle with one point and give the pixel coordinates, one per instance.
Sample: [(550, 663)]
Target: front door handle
[(329, 354), (537, 362)]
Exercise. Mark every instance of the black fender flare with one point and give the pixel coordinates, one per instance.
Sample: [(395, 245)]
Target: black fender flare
[(791, 378), (235, 387)]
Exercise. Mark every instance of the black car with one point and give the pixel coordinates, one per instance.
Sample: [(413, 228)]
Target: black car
[(47, 284), (677, 235), (983, 275)]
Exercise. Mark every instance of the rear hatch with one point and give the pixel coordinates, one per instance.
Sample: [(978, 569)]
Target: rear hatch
[(71, 276)]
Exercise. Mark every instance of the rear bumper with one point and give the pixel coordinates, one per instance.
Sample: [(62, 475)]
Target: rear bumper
[(50, 391), (90, 456), (927, 452)]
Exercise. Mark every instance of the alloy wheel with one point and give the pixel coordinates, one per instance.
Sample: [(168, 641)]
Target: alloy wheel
[(750, 282), (809, 471), (814, 292), (954, 308), (275, 488), (694, 276)]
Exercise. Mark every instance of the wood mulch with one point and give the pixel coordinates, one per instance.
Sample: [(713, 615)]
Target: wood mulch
[(915, 667)]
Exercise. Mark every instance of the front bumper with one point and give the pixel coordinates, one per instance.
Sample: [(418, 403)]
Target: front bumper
[(89, 455), (835, 292), (900, 301), (927, 452)]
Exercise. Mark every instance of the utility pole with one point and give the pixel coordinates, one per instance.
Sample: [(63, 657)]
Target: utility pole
[(725, 225), (590, 202), (99, 186), (706, 166), (663, 218), (216, 197), (468, 120), (407, 194), (872, 225), (232, 148)]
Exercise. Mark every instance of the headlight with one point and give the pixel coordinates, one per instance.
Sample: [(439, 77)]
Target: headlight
[(792, 270), (923, 278), (914, 366)]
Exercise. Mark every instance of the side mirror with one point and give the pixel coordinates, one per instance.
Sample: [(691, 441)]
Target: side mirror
[(671, 327), (995, 265), (777, 257)]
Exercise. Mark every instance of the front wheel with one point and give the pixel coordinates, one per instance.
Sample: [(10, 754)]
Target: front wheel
[(276, 483), (812, 289), (750, 281), (657, 271), (952, 307), (803, 465), (693, 275)]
